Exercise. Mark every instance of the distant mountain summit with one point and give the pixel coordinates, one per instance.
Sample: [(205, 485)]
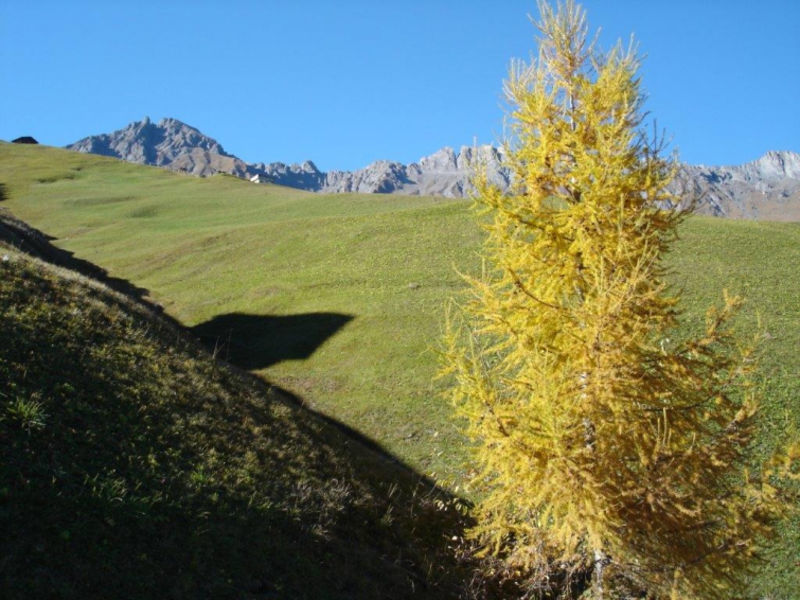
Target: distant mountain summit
[(169, 143), (767, 188)]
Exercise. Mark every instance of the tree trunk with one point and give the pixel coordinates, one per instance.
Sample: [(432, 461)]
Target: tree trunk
[(597, 579)]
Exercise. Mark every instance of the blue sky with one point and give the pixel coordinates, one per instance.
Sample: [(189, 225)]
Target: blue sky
[(346, 83)]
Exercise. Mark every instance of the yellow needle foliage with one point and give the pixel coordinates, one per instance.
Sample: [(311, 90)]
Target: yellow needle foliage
[(606, 451)]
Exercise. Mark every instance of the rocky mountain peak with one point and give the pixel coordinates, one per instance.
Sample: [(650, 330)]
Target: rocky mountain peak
[(309, 167), (778, 165), (170, 143), (442, 160)]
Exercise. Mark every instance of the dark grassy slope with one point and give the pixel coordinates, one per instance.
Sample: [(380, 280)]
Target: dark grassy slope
[(134, 465)]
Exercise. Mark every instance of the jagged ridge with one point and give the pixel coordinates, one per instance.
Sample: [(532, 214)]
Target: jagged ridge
[(767, 188)]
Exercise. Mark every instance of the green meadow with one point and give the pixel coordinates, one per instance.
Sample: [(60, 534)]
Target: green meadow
[(339, 299)]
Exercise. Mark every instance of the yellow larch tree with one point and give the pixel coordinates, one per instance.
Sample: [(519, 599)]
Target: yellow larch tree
[(610, 457)]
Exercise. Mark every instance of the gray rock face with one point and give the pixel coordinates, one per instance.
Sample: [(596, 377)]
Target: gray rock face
[(305, 176), (767, 188)]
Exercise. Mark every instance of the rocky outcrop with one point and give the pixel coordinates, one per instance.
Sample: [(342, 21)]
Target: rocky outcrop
[(25, 139), (305, 176), (767, 188)]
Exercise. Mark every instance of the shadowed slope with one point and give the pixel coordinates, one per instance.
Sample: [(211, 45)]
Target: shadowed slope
[(20, 235), (134, 464)]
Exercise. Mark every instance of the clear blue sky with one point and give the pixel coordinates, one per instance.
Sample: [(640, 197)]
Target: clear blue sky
[(345, 83)]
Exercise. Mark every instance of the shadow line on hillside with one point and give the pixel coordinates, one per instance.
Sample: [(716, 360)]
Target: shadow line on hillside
[(31, 241), (253, 342), (250, 342)]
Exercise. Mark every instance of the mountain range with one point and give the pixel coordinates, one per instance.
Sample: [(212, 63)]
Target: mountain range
[(767, 188)]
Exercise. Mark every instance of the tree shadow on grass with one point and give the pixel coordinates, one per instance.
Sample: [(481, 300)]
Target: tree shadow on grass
[(255, 342)]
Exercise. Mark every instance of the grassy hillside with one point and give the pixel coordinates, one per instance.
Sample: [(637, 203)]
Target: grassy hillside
[(339, 298), (134, 465), (222, 254)]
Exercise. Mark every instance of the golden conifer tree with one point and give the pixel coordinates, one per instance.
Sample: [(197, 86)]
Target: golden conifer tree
[(606, 450)]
